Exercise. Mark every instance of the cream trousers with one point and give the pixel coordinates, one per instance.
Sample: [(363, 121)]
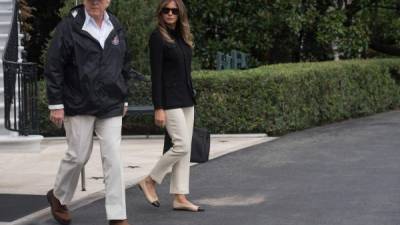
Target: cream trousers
[(79, 132), (179, 124)]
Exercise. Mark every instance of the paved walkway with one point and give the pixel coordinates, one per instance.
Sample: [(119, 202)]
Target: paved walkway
[(31, 174), (341, 174)]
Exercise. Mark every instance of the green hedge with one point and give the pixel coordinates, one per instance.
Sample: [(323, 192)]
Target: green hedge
[(287, 97), (280, 98)]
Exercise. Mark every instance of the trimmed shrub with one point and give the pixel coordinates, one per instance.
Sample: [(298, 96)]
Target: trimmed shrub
[(287, 97), (280, 98)]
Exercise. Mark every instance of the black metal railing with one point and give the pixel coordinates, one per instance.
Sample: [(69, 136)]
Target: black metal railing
[(20, 86)]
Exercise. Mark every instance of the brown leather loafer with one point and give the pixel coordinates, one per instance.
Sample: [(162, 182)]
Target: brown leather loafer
[(118, 222), (59, 212)]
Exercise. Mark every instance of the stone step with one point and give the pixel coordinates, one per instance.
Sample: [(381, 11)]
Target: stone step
[(5, 15), (20, 48), (14, 143), (1, 109), (5, 27), (1, 71), (6, 4), (4, 131), (1, 74), (4, 38)]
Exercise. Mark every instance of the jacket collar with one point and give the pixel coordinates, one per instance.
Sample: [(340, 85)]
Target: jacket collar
[(77, 13)]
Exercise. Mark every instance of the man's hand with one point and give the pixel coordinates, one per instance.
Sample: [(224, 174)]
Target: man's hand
[(125, 110), (57, 117), (159, 117)]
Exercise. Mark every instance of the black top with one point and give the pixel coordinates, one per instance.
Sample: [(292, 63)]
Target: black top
[(171, 71), (80, 74)]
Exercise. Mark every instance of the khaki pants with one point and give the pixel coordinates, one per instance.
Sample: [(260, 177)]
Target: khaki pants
[(79, 132), (179, 124)]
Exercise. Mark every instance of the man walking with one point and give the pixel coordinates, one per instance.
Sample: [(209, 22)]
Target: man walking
[(86, 73)]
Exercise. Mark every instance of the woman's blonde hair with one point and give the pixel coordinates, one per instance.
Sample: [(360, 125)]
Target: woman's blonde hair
[(182, 23)]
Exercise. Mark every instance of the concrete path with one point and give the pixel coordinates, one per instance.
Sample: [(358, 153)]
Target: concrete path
[(34, 173), (341, 174)]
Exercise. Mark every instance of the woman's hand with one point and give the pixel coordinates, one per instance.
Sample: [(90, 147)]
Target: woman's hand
[(159, 117)]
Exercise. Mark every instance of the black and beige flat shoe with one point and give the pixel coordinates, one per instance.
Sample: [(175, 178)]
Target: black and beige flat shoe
[(152, 200), (184, 207)]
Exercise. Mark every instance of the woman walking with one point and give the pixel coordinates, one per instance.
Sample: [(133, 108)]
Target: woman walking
[(173, 97)]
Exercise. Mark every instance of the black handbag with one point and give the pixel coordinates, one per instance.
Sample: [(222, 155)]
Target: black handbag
[(200, 145)]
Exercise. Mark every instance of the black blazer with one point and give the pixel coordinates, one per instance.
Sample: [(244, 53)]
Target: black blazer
[(171, 72)]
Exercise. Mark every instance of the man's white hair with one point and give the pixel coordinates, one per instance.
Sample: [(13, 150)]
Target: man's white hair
[(108, 2)]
